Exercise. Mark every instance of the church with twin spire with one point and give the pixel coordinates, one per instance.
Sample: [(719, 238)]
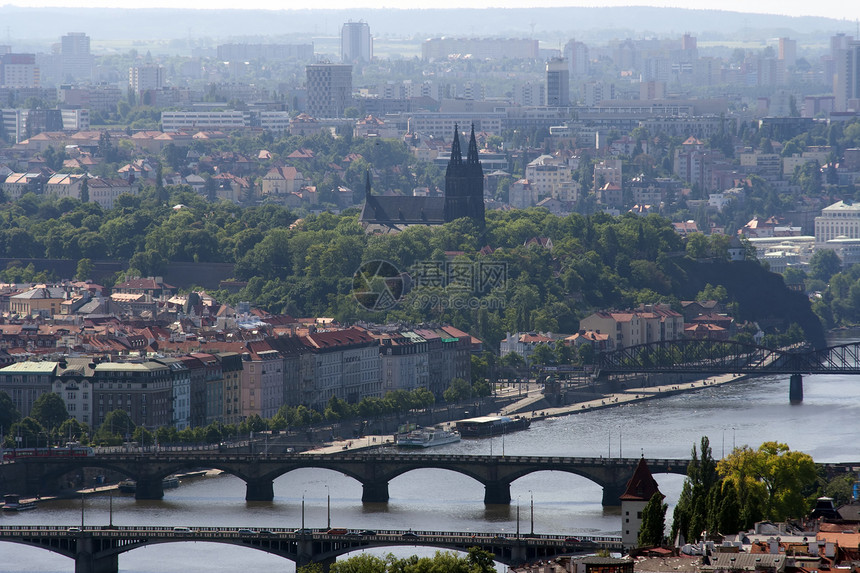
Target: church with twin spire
[(464, 197)]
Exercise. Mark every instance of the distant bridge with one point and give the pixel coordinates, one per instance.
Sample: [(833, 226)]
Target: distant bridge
[(97, 549), (373, 470), (730, 357)]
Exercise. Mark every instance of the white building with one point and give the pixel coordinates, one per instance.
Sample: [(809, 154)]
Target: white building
[(356, 43), (842, 219)]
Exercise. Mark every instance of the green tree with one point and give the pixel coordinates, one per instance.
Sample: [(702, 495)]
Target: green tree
[(31, 433), (117, 424), (9, 414), (50, 410), (84, 270), (772, 478), (823, 264), (653, 527), (72, 431), (458, 390)]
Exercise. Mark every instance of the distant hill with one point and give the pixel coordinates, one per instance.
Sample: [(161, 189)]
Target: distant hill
[(547, 23)]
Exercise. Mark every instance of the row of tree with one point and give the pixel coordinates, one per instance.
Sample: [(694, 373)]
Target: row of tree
[(49, 422)]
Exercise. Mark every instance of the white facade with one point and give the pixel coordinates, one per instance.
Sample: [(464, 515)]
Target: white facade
[(842, 219), (356, 43)]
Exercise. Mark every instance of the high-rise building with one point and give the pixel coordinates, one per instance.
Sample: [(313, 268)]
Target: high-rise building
[(846, 80), (76, 62), (356, 43), (788, 52), (557, 83), (145, 78), (19, 71), (329, 88), (576, 54)]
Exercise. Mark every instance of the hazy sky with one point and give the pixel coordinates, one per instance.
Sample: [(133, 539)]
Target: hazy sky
[(830, 8)]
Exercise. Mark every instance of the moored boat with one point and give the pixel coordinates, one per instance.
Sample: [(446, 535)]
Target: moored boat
[(491, 426), (127, 486), (12, 502), (427, 437)]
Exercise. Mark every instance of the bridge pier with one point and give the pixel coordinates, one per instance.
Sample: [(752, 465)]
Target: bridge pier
[(612, 493), (260, 490), (795, 389), (497, 492), (87, 562), (148, 488), (375, 492)]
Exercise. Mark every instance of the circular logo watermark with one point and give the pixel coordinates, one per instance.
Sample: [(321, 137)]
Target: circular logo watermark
[(377, 285)]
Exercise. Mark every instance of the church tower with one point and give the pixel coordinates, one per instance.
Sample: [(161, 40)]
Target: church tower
[(464, 183)]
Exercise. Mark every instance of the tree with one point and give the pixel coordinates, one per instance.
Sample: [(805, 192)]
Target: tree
[(824, 264), (84, 270), (30, 432), (72, 431), (116, 425), (773, 479), (457, 391), (653, 527), (691, 513), (50, 410), (8, 412)]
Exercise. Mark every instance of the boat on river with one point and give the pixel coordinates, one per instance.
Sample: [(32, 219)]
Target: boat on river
[(426, 438), (12, 502), (491, 426), (130, 486)]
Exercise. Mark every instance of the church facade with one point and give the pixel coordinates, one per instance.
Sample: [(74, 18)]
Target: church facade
[(464, 197)]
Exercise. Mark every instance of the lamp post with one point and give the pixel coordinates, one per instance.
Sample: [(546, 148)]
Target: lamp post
[(518, 517), (303, 513), (532, 496), (328, 506)]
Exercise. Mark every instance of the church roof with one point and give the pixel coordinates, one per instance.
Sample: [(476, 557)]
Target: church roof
[(642, 486), (403, 210)]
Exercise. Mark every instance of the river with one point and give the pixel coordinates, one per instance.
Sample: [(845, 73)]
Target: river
[(743, 413)]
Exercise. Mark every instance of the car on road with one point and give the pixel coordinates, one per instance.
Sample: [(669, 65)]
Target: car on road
[(367, 532), (73, 530), (304, 531), (409, 535), (572, 540), (246, 531), (337, 531), (181, 529), (499, 538)]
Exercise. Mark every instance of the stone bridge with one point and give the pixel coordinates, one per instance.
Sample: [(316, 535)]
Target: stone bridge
[(373, 470), (97, 549)]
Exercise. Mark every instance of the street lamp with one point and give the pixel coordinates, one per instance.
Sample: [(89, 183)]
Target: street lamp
[(532, 513), (518, 517), (303, 513), (328, 506)]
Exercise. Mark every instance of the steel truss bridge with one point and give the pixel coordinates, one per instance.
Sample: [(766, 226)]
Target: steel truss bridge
[(730, 357), (97, 549)]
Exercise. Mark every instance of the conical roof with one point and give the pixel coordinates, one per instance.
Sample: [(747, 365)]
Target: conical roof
[(642, 486)]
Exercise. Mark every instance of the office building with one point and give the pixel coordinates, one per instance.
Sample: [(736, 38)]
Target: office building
[(76, 62), (145, 78), (329, 89), (356, 43), (557, 83), (19, 71)]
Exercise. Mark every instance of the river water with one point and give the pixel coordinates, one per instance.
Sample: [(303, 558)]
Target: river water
[(743, 413)]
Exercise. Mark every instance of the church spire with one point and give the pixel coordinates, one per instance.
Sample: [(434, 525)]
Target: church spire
[(472, 156), (456, 154)]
